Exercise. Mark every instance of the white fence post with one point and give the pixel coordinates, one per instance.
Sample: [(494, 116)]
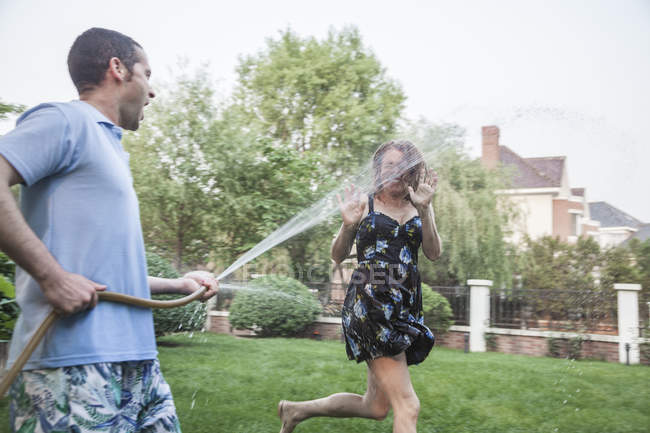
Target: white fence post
[(479, 313), (628, 321)]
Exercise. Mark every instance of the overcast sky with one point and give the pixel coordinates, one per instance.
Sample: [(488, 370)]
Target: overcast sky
[(558, 77)]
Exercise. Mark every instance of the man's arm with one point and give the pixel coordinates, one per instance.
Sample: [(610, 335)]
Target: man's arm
[(186, 285), (67, 292)]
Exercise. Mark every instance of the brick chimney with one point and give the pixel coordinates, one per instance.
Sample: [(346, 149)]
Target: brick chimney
[(490, 152)]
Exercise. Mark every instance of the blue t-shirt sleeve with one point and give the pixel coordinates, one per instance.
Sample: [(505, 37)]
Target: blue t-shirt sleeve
[(41, 144)]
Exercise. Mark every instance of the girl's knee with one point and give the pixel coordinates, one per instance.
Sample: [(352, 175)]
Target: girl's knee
[(380, 411), (409, 408)]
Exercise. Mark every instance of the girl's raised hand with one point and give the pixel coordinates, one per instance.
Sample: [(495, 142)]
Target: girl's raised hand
[(351, 206), (426, 189)]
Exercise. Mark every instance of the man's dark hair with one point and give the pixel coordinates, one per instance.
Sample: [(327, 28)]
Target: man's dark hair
[(91, 51)]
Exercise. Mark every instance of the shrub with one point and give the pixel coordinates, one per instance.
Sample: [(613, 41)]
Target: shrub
[(491, 342), (644, 349), (570, 348), (7, 267), (554, 346), (436, 309), (9, 309), (190, 317), (574, 347), (274, 305)]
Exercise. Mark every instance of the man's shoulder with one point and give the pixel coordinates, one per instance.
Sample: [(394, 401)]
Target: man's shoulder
[(63, 111)]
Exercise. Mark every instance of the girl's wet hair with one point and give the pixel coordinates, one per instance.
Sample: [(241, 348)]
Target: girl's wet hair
[(414, 170)]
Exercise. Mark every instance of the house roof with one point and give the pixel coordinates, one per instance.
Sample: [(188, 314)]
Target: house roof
[(610, 216), (551, 167), (533, 172)]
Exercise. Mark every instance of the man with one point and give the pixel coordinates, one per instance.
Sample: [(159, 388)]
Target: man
[(79, 233)]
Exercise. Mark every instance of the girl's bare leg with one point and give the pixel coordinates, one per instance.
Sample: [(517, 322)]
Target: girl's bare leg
[(392, 376), (373, 404)]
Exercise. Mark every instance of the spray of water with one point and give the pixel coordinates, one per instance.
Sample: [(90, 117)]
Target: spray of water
[(324, 208), (365, 183)]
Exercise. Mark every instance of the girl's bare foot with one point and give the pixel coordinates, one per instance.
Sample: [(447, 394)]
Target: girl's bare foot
[(288, 416)]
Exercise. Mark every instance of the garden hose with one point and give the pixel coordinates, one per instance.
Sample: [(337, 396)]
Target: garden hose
[(103, 296)]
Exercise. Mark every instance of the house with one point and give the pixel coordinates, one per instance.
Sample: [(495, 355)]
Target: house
[(540, 190), (616, 226), (642, 233)]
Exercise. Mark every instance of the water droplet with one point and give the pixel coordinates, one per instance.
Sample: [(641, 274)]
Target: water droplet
[(577, 409), (578, 390), (564, 402)]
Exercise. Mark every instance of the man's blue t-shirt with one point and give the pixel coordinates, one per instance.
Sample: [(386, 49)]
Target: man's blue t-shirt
[(79, 199)]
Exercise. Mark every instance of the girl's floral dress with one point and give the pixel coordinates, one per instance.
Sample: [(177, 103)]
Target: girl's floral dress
[(382, 312)]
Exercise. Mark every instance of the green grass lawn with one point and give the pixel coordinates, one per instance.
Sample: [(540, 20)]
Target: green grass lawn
[(227, 384)]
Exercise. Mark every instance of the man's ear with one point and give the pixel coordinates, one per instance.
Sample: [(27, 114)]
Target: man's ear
[(116, 69)]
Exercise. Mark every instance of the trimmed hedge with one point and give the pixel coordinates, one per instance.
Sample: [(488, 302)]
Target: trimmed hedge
[(190, 317), (274, 305), (437, 311)]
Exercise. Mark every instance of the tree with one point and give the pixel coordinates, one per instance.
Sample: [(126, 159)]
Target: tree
[(262, 183), (566, 279), (549, 263), (6, 109), (620, 266), (331, 96), (471, 219), (330, 101), (174, 159), (209, 182), (641, 254)]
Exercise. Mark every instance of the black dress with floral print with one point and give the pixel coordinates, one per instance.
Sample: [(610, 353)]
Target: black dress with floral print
[(382, 312)]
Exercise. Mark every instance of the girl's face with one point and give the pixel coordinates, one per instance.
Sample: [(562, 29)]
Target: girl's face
[(392, 168)]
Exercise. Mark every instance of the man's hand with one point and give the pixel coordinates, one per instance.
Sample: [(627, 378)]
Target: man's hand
[(193, 281), (70, 293)]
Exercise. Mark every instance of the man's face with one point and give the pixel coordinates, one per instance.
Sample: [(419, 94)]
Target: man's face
[(136, 93)]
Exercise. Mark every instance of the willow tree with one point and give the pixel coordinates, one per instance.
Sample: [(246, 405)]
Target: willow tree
[(471, 219)]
